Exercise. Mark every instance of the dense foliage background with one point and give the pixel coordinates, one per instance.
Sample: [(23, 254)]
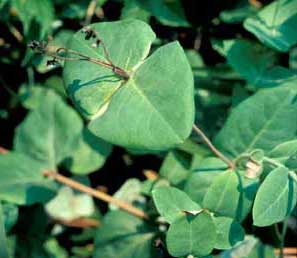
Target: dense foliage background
[(243, 56)]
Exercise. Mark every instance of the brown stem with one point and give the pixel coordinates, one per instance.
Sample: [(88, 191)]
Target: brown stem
[(3, 150), (212, 147), (90, 11), (97, 194), (15, 32), (80, 223), (150, 174), (83, 57)]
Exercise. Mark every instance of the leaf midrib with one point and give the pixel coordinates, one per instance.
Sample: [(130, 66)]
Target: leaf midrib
[(143, 96), (265, 126), (265, 211)]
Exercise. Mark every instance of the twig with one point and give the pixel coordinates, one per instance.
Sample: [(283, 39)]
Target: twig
[(90, 11), (56, 53), (255, 3), (212, 147), (14, 31), (80, 223), (93, 192), (3, 150), (288, 252), (150, 174), (97, 194), (282, 244)]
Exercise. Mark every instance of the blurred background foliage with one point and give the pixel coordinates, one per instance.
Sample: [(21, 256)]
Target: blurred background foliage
[(231, 54)]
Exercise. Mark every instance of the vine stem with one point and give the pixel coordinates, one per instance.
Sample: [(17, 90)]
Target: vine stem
[(3, 150), (213, 148), (90, 191), (97, 194), (90, 11), (283, 236)]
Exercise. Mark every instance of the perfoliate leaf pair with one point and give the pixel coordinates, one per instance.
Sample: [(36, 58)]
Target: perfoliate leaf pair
[(193, 230), (154, 108)]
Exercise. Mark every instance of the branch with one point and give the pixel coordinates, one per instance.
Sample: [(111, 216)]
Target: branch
[(3, 150), (58, 53), (93, 192), (80, 223), (97, 194), (213, 148), (90, 11)]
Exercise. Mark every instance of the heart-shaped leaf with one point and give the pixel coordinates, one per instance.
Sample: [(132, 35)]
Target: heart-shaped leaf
[(191, 235), (172, 203), (50, 132), (123, 236), (141, 112), (21, 180), (275, 122)]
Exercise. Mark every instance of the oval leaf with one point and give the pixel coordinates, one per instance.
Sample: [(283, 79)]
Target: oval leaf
[(230, 195), (275, 199), (229, 232), (275, 122)]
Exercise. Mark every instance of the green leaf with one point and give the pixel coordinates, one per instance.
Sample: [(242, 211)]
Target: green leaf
[(254, 63), (250, 247), (3, 241), (175, 168), (168, 12), (157, 86), (172, 203), (238, 14), (149, 185), (275, 199), (31, 12), (133, 9), (275, 24), (59, 40), (89, 154), (230, 195), (70, 206), (191, 235), (32, 95), (54, 250), (49, 133), (275, 122), (23, 184), (284, 152), (198, 183), (229, 232), (124, 236), (10, 214), (129, 192)]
